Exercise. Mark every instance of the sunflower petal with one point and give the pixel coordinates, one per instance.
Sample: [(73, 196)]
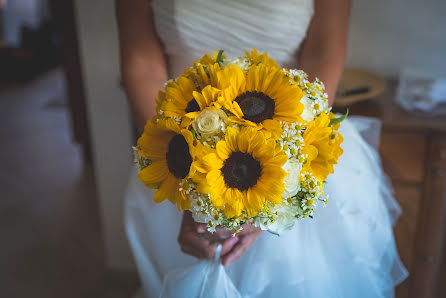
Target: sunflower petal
[(231, 138), (274, 127), (167, 190), (223, 151), (212, 178), (154, 150), (254, 201), (156, 172), (213, 161)]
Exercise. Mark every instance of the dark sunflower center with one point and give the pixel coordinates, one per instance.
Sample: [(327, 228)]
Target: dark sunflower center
[(192, 106), (178, 157), (256, 106), (241, 171)]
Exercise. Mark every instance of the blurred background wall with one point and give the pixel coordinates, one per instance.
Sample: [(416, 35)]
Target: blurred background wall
[(388, 35), (109, 120)]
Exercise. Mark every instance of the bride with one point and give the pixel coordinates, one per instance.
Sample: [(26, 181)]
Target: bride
[(347, 249)]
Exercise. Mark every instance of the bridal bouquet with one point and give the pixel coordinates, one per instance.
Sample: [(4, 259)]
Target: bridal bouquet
[(237, 141)]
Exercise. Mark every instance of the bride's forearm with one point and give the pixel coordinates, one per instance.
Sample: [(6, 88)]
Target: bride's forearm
[(143, 65), (328, 69), (323, 52), (142, 90)]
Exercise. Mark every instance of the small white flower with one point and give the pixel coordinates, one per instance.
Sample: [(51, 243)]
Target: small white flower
[(210, 122), (308, 112), (242, 62), (291, 181), (317, 107)]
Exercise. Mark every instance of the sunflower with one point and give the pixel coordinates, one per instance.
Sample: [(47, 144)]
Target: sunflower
[(261, 98), (182, 99), (243, 172), (203, 74), (179, 98), (171, 152), (255, 58), (323, 147), (208, 98)]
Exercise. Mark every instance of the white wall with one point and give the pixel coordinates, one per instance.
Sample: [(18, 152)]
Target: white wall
[(109, 121), (387, 35)]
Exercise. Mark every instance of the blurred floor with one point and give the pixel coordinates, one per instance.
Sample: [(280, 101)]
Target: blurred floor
[(50, 236)]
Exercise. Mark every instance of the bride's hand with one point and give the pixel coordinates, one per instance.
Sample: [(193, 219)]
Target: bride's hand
[(195, 240), (246, 237)]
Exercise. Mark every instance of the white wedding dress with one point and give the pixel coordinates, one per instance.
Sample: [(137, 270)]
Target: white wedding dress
[(347, 249)]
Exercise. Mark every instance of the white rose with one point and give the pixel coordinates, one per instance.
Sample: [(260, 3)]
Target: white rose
[(284, 220), (210, 122), (291, 181), (307, 114)]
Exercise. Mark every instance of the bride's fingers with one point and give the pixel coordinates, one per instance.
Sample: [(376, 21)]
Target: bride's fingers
[(228, 244), (239, 249), (188, 250), (222, 232), (199, 248), (206, 249), (203, 248), (193, 242), (201, 228)]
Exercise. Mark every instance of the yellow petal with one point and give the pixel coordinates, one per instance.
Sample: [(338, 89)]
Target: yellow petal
[(231, 138), (236, 109), (274, 127), (156, 172), (264, 153), (181, 200), (257, 140), (231, 212), (223, 151), (167, 190), (277, 160), (254, 201), (210, 94), (212, 161), (244, 138), (155, 150), (214, 178), (170, 124), (203, 187)]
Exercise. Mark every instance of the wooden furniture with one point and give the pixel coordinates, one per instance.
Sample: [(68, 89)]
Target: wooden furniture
[(413, 152)]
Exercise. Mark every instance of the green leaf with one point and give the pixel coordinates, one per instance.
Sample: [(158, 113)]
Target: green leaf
[(335, 121), (220, 57), (194, 134)]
